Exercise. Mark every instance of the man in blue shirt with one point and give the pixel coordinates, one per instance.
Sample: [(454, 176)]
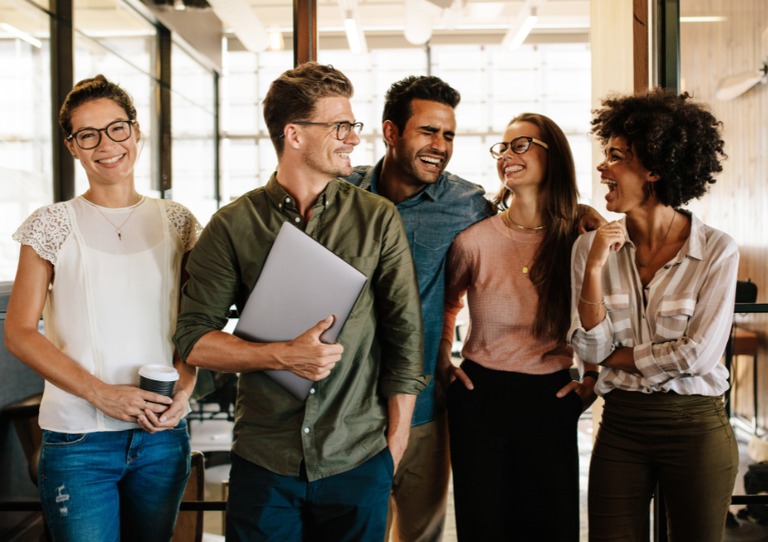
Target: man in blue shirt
[(419, 125)]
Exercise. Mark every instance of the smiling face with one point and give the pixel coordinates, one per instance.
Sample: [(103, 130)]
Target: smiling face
[(424, 149), (625, 177), (519, 170), (323, 152), (109, 162)]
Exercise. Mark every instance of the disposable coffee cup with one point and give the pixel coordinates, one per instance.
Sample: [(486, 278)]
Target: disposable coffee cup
[(158, 378)]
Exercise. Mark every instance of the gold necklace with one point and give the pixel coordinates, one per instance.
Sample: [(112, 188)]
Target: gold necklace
[(526, 266), (509, 221), (118, 229), (661, 245)]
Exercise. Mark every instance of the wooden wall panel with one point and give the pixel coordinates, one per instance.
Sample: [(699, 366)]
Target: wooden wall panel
[(738, 202)]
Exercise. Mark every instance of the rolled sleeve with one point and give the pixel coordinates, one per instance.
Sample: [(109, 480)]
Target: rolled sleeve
[(207, 295), (594, 345), (651, 371), (398, 308)]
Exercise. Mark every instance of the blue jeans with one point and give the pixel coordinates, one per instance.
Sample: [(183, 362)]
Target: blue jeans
[(268, 507), (113, 485)]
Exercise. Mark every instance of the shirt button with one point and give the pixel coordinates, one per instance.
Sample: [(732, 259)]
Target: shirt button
[(287, 200), (297, 220), (312, 391), (306, 429)]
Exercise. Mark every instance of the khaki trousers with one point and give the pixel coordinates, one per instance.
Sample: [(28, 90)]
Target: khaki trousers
[(420, 489)]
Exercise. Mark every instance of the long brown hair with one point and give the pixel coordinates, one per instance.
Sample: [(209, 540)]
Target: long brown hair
[(551, 268)]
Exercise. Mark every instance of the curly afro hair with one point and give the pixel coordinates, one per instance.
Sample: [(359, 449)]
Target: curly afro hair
[(673, 137)]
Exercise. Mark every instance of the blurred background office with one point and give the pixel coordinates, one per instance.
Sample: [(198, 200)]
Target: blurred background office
[(198, 70)]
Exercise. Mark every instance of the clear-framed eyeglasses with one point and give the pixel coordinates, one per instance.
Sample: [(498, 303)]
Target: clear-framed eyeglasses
[(342, 128), (90, 138), (519, 145)]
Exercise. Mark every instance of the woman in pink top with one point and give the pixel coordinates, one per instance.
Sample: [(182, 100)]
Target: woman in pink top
[(512, 405)]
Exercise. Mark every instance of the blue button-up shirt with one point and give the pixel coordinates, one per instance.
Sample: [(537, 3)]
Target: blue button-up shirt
[(432, 219)]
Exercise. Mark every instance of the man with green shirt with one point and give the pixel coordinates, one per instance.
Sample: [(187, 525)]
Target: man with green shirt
[(318, 469)]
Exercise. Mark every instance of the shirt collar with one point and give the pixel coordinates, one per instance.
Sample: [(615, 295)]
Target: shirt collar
[(695, 245), (283, 200), (431, 191)]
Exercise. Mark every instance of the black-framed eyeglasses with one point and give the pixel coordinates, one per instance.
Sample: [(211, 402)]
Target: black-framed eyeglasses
[(342, 128), (519, 145), (90, 138)]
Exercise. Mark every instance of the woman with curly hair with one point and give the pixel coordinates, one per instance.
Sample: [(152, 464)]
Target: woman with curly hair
[(653, 298)]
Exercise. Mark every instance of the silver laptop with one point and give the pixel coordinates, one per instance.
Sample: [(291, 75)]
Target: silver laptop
[(301, 283)]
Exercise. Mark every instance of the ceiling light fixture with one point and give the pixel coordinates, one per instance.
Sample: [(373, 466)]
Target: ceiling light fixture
[(20, 34), (352, 27), (520, 29), (419, 18), (276, 41)]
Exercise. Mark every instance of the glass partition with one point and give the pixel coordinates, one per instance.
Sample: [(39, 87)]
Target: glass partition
[(26, 128), (553, 79), (193, 141), (112, 39)]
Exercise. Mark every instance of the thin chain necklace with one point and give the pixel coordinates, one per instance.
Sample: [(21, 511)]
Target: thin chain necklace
[(118, 229), (510, 223), (661, 245)]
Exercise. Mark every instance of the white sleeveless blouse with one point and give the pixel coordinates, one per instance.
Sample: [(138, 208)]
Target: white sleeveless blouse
[(113, 302)]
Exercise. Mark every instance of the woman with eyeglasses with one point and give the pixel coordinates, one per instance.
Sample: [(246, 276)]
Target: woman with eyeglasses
[(653, 304), (103, 269), (512, 404)]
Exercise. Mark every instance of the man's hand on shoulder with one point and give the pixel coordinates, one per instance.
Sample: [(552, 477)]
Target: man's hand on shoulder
[(589, 219)]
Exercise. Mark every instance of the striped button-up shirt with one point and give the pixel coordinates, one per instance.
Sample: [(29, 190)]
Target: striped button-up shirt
[(677, 325)]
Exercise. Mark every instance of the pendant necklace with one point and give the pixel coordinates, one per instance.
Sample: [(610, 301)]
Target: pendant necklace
[(507, 220), (661, 245), (118, 228)]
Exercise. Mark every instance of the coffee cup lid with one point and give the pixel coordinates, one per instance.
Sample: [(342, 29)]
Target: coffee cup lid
[(159, 372)]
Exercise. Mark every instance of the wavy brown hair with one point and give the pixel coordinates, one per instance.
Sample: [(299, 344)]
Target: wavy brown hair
[(551, 268), (293, 96)]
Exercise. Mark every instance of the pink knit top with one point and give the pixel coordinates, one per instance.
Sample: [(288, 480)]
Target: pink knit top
[(485, 263)]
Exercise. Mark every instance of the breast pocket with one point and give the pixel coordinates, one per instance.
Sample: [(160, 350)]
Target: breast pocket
[(672, 316), (429, 250)]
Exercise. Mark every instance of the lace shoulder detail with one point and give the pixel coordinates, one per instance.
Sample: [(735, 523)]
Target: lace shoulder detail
[(45, 231), (184, 222)]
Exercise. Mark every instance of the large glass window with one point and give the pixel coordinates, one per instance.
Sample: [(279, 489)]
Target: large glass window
[(26, 128), (193, 125), (114, 40), (553, 79)]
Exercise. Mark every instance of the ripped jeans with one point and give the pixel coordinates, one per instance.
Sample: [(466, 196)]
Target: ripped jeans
[(113, 485)]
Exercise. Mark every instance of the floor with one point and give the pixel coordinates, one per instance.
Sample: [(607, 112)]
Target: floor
[(214, 436)]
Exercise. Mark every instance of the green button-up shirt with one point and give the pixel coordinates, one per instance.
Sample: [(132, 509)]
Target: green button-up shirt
[(343, 421)]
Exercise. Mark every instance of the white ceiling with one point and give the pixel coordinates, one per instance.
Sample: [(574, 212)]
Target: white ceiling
[(461, 15), (377, 17)]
